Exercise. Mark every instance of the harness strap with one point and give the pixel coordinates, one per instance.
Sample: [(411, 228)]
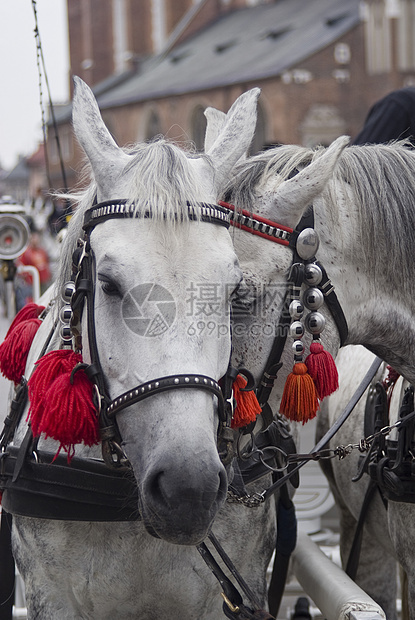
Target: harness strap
[(354, 555), (233, 606), (364, 384), (170, 382), (119, 209)]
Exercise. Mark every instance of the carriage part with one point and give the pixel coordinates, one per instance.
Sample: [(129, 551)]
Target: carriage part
[(14, 235)]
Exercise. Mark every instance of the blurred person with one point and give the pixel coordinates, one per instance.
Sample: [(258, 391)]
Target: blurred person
[(35, 255), (390, 118)]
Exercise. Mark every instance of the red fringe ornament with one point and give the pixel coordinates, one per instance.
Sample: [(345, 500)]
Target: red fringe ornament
[(29, 311), (247, 406), (322, 369), (16, 345), (299, 400), (61, 401)]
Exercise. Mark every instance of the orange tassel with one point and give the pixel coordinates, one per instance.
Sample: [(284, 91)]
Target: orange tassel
[(247, 406), (299, 400), (322, 369)]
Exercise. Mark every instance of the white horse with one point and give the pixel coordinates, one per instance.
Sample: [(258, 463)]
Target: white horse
[(278, 185), (119, 570), (386, 315), (105, 570), (366, 226)]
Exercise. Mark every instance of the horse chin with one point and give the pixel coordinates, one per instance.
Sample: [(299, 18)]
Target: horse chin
[(187, 526)]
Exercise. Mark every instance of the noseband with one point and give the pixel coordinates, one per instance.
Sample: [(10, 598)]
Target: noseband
[(82, 287)]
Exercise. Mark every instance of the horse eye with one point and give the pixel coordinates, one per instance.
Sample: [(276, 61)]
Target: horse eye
[(108, 286)]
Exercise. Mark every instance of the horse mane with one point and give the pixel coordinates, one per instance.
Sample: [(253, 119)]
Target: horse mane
[(382, 183), (158, 175)]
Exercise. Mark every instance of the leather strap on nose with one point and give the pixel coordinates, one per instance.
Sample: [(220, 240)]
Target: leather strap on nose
[(163, 384)]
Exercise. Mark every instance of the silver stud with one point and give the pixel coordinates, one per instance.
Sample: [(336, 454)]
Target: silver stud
[(66, 333), (68, 290), (186, 379), (176, 381), (298, 347), (156, 384), (313, 298), (296, 330), (296, 309), (307, 243), (313, 274), (196, 380), (65, 314), (315, 322)]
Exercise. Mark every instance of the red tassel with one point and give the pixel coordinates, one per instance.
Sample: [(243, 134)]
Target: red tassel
[(47, 369), (29, 311), (61, 401), (322, 369), (299, 400), (16, 345), (247, 406), (15, 349)]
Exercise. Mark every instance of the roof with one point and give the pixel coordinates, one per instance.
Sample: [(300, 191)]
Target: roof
[(242, 46)]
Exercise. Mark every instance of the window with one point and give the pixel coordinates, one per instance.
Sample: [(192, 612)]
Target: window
[(406, 35), (322, 124), (377, 37)]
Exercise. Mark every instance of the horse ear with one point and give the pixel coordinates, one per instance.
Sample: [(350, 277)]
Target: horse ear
[(235, 135), (294, 195), (215, 120), (106, 158)]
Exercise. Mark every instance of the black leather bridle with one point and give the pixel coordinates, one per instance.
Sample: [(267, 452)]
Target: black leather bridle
[(83, 277)]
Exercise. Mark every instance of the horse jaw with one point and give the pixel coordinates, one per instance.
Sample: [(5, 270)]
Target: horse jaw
[(106, 158), (293, 196)]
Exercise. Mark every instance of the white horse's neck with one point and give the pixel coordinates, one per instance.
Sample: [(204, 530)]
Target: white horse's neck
[(379, 312)]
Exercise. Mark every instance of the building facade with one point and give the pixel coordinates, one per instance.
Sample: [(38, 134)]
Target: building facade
[(155, 65)]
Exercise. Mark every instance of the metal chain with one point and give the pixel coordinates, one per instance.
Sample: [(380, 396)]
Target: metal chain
[(250, 501), (341, 451)]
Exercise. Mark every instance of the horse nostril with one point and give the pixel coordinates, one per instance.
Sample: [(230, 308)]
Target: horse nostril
[(170, 489)]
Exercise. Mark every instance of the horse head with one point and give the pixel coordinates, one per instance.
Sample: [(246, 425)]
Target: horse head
[(280, 185), (162, 289)]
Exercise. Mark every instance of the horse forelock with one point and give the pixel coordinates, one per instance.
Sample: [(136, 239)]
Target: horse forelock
[(158, 177), (276, 165)]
